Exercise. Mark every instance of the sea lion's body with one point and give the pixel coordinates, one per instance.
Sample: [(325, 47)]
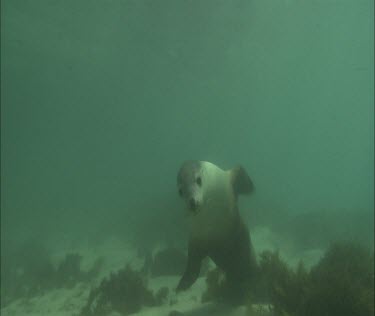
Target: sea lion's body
[(215, 226)]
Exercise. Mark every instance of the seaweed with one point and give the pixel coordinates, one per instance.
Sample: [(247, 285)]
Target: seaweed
[(25, 272), (341, 283), (279, 284), (125, 292), (245, 290), (28, 271)]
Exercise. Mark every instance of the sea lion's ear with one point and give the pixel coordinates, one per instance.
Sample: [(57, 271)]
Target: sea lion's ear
[(241, 182)]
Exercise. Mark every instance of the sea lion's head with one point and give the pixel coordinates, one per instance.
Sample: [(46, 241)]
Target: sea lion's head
[(215, 226), (201, 183), (189, 184)]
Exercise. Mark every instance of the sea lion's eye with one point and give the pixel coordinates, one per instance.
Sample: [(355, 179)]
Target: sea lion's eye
[(180, 192), (199, 181)]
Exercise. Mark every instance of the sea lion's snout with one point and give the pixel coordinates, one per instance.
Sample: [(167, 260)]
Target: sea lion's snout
[(193, 205)]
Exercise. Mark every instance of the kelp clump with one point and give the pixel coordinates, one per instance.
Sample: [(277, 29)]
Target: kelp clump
[(273, 276), (27, 271), (280, 285), (341, 283), (125, 292)]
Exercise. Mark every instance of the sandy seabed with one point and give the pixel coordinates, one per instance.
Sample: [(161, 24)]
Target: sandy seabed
[(69, 302)]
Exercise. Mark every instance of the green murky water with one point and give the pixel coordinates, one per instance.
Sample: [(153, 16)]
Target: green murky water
[(101, 101)]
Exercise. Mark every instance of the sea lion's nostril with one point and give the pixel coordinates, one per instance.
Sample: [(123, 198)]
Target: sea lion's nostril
[(192, 204)]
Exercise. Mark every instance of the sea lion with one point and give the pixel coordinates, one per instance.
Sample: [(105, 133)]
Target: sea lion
[(216, 229)]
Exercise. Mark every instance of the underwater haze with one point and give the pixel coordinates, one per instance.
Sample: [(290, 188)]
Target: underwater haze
[(102, 101)]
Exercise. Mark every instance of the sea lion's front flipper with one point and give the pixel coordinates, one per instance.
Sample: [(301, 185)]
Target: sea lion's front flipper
[(195, 256), (241, 182)]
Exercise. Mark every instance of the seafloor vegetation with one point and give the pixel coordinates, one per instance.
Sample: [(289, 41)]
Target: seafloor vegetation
[(28, 271), (125, 292), (341, 283)]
